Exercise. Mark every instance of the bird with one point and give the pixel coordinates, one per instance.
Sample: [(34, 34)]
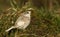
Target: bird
[(23, 20)]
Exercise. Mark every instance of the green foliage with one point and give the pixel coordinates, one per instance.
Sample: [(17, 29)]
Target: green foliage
[(43, 22)]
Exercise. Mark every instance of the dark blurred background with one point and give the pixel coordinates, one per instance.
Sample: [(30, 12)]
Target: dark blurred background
[(45, 18)]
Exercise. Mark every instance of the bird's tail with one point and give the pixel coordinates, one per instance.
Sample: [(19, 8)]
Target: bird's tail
[(9, 29)]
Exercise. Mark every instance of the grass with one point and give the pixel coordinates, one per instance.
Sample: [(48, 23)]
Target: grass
[(44, 23)]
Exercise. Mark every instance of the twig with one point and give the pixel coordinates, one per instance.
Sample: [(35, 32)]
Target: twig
[(29, 34)]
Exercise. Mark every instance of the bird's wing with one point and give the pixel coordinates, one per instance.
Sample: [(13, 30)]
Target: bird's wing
[(18, 19), (20, 23)]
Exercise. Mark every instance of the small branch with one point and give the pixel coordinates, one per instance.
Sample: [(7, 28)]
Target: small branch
[(29, 34), (11, 8)]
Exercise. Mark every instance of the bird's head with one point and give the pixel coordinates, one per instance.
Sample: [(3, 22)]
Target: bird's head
[(28, 12)]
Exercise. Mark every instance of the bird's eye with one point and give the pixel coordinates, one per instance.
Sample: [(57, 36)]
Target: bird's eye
[(27, 12)]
